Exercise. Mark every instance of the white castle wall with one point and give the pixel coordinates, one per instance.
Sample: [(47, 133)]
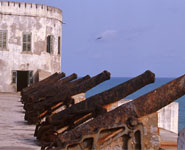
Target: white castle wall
[(168, 117), (41, 21)]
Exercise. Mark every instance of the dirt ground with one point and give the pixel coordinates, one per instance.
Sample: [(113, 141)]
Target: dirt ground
[(15, 133)]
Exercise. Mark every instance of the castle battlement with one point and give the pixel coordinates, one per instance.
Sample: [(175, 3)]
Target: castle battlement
[(30, 9)]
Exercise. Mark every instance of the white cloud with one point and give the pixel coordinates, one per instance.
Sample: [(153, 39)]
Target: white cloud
[(108, 35)]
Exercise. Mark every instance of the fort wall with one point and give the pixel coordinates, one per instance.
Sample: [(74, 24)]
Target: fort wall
[(39, 21)]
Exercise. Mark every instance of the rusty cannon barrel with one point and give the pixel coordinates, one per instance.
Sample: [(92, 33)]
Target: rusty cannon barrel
[(32, 116), (94, 105), (52, 78), (107, 97), (64, 94), (141, 106), (36, 86), (51, 90), (79, 81), (47, 91), (69, 101)]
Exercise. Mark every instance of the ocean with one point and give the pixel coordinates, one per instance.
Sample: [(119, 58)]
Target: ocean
[(158, 82)]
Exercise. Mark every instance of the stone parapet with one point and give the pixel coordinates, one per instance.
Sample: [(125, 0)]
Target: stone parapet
[(30, 9)]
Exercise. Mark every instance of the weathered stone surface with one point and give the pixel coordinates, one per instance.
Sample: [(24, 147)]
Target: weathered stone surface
[(17, 18), (15, 133), (43, 74), (168, 117)]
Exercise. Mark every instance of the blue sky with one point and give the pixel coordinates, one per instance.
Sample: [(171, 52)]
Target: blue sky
[(125, 37)]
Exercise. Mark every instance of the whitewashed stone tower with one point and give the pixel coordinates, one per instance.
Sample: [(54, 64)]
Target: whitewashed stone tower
[(30, 43)]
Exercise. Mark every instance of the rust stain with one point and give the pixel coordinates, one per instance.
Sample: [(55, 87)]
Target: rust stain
[(40, 46), (95, 105), (146, 104)]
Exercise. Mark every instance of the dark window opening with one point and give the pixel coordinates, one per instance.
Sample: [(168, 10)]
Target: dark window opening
[(3, 39), (26, 41), (59, 45), (50, 40)]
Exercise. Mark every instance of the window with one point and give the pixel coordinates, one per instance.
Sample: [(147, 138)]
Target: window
[(30, 77), (14, 76), (26, 41), (50, 41), (3, 39), (59, 45)]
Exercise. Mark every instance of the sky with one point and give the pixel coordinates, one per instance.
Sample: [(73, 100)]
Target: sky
[(125, 37)]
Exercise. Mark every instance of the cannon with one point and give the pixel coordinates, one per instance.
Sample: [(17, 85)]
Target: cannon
[(90, 108), (35, 85), (46, 91), (108, 127), (42, 108), (25, 93), (52, 78), (51, 90)]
